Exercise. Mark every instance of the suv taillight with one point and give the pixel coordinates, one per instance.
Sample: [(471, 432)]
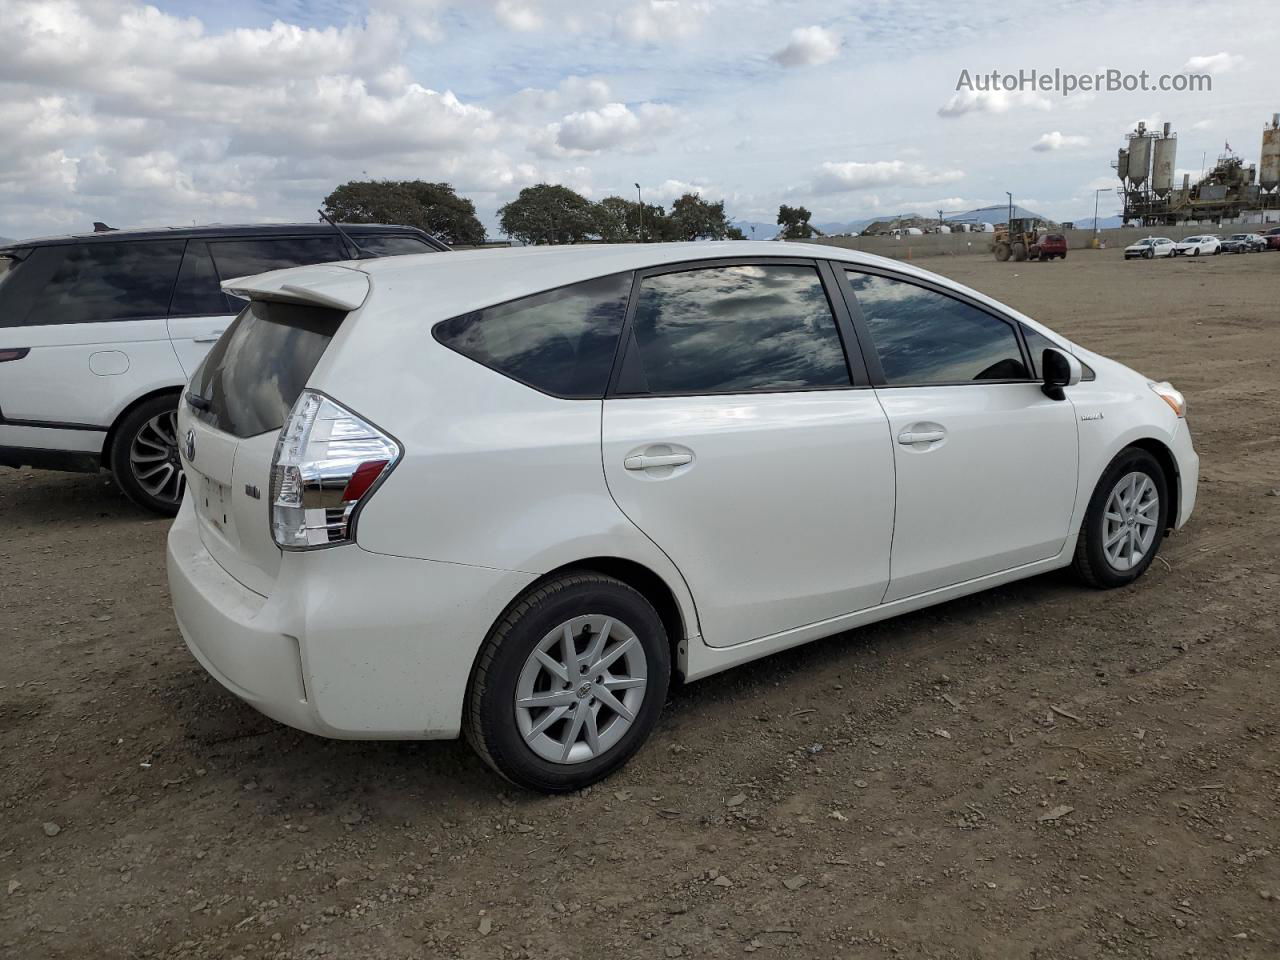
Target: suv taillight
[(326, 463)]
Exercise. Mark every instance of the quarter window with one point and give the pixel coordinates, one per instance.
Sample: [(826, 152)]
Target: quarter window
[(97, 282), (735, 329), (561, 342), (381, 245), (925, 337)]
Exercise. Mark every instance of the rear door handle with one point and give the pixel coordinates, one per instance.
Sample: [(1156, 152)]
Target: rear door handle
[(209, 338), (920, 436), (642, 461)]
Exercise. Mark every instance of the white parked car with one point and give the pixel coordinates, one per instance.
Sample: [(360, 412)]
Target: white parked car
[(514, 493), (1149, 248), (1195, 246), (99, 332)]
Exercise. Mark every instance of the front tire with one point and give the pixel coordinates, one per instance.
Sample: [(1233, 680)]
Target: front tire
[(144, 456), (569, 683), (1125, 522)]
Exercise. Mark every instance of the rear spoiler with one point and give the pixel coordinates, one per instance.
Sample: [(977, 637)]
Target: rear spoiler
[(323, 285)]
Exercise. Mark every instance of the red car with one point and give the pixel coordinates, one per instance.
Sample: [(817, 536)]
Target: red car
[(1273, 238), (1052, 245)]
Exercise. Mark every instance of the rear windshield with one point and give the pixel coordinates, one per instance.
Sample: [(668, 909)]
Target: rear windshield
[(254, 373)]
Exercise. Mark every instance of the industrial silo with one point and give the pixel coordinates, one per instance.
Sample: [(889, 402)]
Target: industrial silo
[(1164, 155), (1139, 155), (1269, 171), (1122, 164)]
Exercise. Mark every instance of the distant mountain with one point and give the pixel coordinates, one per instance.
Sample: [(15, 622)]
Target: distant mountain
[(5, 240)]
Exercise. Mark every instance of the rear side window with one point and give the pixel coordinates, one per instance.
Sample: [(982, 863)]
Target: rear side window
[(924, 337), (97, 282), (379, 245), (257, 369), (197, 293), (245, 258), (561, 342), (735, 329)]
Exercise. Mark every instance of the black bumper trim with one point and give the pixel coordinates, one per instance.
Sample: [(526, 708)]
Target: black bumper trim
[(75, 461)]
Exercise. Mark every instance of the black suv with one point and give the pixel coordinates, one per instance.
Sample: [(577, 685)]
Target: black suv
[(99, 333)]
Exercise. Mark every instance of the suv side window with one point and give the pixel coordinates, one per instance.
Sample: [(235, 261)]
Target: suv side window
[(102, 281), (735, 329), (561, 342), (197, 293), (924, 337), (384, 245), (245, 258)]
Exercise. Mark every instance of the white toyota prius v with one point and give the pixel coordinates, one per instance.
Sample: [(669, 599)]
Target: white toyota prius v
[(513, 494)]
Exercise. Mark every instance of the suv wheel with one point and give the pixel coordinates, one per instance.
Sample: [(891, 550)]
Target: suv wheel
[(1125, 522), (569, 684), (144, 456)]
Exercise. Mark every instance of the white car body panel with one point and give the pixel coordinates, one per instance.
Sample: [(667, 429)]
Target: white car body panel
[(500, 485), (192, 338)]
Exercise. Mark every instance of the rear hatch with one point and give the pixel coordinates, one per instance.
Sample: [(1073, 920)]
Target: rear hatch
[(231, 416)]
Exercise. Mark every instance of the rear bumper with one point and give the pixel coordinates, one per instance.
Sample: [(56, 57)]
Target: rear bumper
[(350, 644)]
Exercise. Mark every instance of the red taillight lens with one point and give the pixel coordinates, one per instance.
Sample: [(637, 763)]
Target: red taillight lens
[(14, 353), (365, 476)]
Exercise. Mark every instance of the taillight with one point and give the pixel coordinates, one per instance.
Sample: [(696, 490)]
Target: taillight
[(327, 462)]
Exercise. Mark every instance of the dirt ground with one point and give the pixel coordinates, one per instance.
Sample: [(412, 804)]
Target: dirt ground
[(1040, 771)]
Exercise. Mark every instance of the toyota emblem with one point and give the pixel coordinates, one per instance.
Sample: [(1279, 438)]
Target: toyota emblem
[(191, 445)]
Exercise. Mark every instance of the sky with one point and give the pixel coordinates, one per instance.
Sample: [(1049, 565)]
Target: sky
[(254, 110)]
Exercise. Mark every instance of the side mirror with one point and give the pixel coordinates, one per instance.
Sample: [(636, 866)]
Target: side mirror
[(1061, 370)]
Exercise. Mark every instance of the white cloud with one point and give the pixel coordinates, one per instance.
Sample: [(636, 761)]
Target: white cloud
[(1056, 140), (808, 47), (853, 175), (658, 21), (610, 127), (516, 15), (1221, 62), (992, 101)]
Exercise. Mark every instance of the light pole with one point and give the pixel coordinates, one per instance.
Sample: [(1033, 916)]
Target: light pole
[(640, 212), (1009, 219), (1095, 213)]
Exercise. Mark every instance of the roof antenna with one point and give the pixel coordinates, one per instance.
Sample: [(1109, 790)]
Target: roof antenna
[(360, 253), (100, 227)]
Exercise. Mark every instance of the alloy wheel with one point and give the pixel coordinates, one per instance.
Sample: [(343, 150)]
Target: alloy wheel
[(154, 461), (581, 689), (1129, 520)]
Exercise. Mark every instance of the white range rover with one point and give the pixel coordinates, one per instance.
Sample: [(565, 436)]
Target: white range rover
[(98, 334), (514, 493)]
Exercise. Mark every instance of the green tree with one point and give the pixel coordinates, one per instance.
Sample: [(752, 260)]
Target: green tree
[(433, 207), (795, 224), (616, 220), (548, 213), (693, 218)]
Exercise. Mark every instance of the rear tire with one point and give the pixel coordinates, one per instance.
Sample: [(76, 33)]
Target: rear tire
[(1019, 252), (601, 703), (1125, 522), (144, 456)]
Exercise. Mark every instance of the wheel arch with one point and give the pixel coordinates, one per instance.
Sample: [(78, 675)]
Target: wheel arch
[(133, 404), (1172, 477)]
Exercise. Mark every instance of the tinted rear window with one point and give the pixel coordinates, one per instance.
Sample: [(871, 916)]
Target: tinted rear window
[(197, 293), (257, 369)]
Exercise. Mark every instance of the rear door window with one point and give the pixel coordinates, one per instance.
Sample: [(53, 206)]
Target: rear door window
[(381, 245), (245, 258), (749, 328), (256, 370), (561, 342), (197, 292), (103, 281), (924, 337)]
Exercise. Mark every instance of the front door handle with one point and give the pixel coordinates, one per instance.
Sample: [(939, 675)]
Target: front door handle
[(921, 436), (209, 338), (642, 461)]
